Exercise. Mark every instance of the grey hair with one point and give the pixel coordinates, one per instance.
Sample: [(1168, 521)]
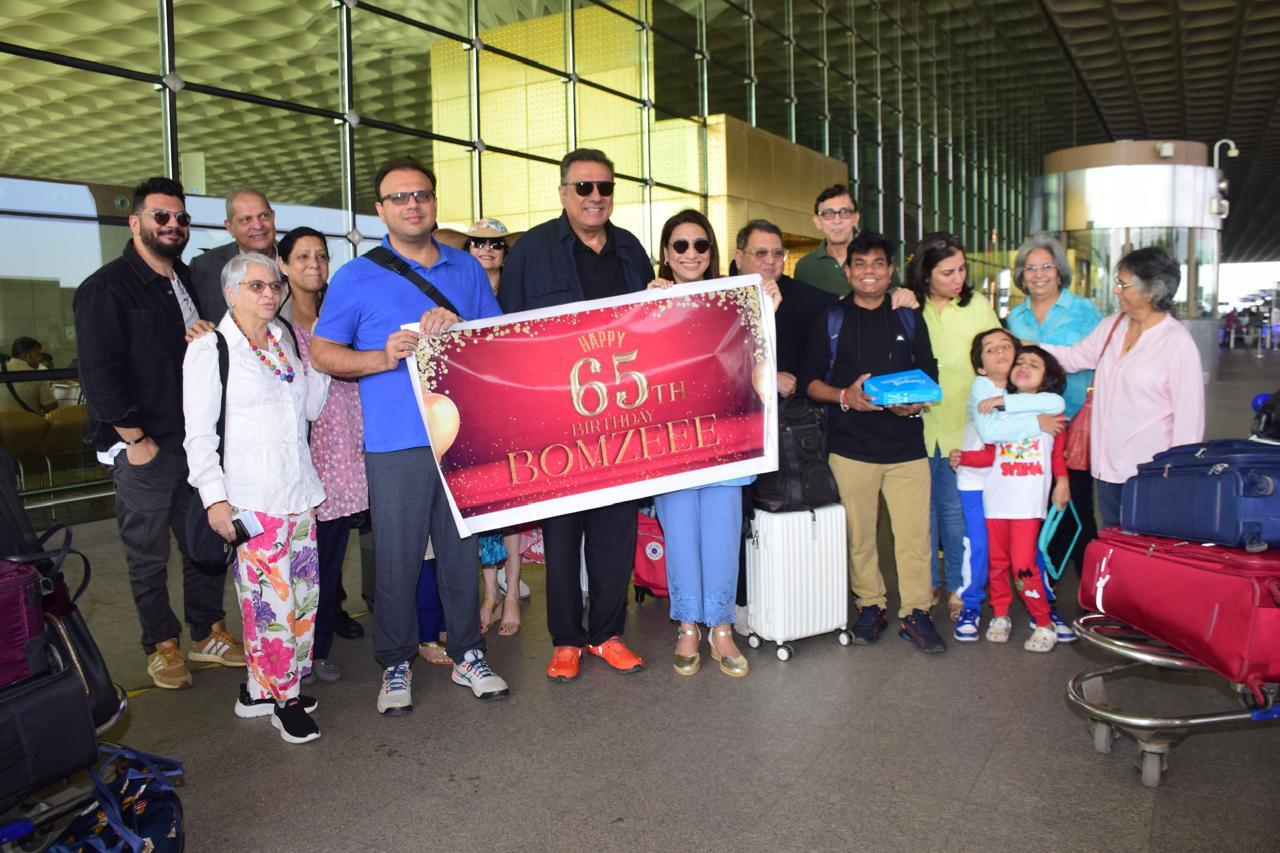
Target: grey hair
[(745, 232), (245, 190), (1050, 245), (236, 269), (1155, 274)]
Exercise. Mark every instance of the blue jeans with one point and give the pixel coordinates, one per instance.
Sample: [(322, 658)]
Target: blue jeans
[(1108, 502), (703, 530), (946, 523), (975, 568)]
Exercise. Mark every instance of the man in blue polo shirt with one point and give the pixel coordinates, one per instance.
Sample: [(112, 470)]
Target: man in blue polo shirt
[(358, 336)]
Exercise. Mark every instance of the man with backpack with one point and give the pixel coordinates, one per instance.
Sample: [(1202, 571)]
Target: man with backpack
[(876, 450)]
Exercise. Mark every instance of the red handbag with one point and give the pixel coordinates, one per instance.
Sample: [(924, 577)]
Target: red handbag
[(1075, 448)]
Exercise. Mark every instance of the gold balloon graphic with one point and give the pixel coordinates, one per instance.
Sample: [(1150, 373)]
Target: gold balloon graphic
[(442, 422), (762, 379)]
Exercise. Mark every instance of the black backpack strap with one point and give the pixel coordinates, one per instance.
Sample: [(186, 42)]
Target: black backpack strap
[(835, 322), (907, 317), (224, 368), (384, 257), (21, 402)]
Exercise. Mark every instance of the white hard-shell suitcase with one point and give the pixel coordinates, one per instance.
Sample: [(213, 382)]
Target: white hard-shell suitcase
[(797, 579)]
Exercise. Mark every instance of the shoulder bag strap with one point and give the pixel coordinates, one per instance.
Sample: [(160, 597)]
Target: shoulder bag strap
[(835, 322), (384, 257), (21, 402), (224, 369), (1114, 326)]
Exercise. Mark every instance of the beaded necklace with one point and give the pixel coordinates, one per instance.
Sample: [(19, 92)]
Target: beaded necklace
[(285, 366)]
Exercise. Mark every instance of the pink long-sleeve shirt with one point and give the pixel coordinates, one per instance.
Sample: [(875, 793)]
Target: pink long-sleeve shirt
[(1144, 401)]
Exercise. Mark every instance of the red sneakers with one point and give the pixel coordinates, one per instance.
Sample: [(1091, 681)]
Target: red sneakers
[(564, 663), (617, 655)]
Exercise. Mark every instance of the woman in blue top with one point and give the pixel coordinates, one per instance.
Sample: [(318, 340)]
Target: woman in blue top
[(702, 526), (1052, 314)]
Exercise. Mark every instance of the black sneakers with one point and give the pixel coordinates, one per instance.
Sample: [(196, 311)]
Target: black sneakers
[(293, 722), (871, 621), (247, 707), (918, 628)]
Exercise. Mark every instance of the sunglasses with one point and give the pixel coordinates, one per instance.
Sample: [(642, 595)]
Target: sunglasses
[(401, 199), (162, 217), (583, 188), (761, 254), (487, 243), (256, 287), (701, 246)]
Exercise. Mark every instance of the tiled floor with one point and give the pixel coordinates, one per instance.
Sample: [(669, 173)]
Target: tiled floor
[(840, 748)]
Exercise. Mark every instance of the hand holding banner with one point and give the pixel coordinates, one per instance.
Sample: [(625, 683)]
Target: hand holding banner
[(550, 411)]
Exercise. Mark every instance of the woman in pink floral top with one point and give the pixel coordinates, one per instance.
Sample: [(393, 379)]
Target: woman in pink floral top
[(337, 438)]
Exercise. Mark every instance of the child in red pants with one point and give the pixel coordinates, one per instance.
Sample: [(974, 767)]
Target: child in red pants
[(1014, 498)]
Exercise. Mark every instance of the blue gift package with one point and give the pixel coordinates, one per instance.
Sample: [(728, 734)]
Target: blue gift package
[(896, 389)]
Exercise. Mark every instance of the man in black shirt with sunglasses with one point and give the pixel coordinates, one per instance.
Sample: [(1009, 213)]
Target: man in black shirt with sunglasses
[(134, 318), (580, 256)]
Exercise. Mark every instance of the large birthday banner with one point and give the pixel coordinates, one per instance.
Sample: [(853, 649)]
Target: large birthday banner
[(555, 410)]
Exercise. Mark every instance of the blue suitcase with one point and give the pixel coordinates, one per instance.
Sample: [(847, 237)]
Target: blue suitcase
[(1218, 491)]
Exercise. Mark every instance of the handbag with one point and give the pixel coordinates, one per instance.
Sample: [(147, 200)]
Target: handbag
[(1075, 448), (209, 552), (139, 810)]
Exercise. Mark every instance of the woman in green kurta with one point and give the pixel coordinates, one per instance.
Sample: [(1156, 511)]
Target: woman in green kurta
[(938, 275)]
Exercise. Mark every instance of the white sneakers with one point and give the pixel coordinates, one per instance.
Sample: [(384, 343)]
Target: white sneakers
[(474, 672), (395, 699)]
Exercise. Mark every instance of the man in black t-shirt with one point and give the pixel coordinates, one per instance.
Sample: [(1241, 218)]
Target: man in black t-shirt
[(877, 450)]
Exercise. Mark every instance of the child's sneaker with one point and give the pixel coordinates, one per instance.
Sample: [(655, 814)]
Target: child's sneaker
[(1041, 640), (998, 630), (968, 625)]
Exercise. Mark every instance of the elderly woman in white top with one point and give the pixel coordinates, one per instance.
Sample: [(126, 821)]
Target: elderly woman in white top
[(262, 479)]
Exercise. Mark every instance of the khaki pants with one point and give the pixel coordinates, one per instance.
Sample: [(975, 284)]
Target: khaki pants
[(905, 486)]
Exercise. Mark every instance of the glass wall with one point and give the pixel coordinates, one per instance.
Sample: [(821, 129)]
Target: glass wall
[(305, 98)]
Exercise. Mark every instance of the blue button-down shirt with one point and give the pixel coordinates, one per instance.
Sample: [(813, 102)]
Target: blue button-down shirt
[(1069, 319)]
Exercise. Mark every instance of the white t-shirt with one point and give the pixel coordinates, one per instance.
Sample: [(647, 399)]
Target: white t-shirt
[(1019, 482)]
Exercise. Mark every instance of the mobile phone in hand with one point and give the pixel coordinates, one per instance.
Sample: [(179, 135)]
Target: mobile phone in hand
[(246, 525)]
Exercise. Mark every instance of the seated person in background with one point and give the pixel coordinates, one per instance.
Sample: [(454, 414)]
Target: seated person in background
[(34, 397)]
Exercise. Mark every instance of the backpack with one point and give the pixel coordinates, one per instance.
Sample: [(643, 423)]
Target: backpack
[(651, 558), (803, 479)]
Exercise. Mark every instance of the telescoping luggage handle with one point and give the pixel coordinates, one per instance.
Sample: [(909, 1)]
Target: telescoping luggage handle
[(1048, 529)]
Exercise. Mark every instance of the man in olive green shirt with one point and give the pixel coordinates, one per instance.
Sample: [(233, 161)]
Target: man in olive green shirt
[(835, 214)]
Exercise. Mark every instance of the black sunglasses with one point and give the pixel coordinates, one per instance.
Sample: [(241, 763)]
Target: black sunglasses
[(701, 246), (487, 243), (583, 188), (162, 217)]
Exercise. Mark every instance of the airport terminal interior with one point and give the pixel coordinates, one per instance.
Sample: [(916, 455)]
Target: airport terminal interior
[(1109, 124)]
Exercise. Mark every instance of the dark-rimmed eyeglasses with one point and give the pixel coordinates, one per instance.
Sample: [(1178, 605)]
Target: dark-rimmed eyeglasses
[(761, 254), (162, 217), (832, 212), (487, 243), (701, 246), (401, 199), (584, 188), (256, 287)]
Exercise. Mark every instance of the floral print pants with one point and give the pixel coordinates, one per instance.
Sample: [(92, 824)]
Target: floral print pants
[(277, 575)]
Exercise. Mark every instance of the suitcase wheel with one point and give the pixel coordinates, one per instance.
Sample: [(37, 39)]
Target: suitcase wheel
[(754, 641), (1153, 765), (785, 652), (844, 637), (1103, 737)]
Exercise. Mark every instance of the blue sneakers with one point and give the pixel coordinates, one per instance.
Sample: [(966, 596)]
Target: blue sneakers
[(871, 621), (968, 626)]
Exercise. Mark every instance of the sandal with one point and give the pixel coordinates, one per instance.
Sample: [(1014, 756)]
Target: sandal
[(956, 605), (998, 629), (688, 664), (488, 613), (733, 666), (434, 653), (510, 622), (1041, 640)]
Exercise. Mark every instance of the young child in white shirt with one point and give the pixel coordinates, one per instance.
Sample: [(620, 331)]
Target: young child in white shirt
[(1022, 471)]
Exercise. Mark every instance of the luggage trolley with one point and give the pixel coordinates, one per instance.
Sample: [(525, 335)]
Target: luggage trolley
[(1154, 735)]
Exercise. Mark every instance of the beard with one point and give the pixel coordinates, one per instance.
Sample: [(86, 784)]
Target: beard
[(172, 251)]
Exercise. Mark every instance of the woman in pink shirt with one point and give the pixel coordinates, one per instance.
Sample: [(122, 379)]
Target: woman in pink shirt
[(1148, 385)]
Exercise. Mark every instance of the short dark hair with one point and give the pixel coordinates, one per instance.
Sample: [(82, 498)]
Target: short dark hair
[(692, 217), (868, 241), (24, 345), (933, 250), (583, 155), (395, 164), (285, 247), (975, 349), (745, 232), (834, 191), (1055, 378), (155, 186)]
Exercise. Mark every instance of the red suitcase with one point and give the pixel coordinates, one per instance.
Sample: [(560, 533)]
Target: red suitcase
[(1220, 605)]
